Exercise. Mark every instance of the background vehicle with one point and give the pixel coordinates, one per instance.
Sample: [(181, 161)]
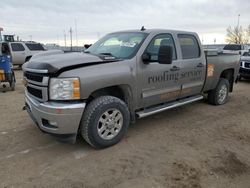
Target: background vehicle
[(245, 66), (235, 48), (6, 72), (21, 52), (123, 76)]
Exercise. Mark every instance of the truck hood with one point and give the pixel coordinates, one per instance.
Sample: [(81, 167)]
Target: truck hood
[(58, 62)]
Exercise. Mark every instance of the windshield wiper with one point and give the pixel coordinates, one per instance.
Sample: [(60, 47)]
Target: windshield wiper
[(107, 55)]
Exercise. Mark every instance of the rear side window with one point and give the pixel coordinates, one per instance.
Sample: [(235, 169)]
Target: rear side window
[(160, 40), (189, 46), (35, 47), (234, 47), (17, 47)]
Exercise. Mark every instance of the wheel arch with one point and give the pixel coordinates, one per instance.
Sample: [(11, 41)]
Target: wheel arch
[(229, 75), (123, 92)]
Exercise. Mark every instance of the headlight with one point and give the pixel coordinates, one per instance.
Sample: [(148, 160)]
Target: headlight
[(64, 88)]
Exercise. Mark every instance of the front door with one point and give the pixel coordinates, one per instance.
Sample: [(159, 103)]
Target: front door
[(159, 82), (18, 53), (193, 66)]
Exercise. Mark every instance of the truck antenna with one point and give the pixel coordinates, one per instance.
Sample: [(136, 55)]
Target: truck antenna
[(143, 28)]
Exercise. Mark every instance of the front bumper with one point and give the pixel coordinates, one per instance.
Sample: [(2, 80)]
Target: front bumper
[(244, 72), (60, 119)]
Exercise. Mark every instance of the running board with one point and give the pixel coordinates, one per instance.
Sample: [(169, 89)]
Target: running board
[(167, 106)]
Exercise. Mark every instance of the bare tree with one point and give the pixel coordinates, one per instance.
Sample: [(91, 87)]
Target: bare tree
[(238, 35)]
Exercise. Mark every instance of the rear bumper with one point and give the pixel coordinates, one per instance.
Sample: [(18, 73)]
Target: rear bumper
[(56, 118)]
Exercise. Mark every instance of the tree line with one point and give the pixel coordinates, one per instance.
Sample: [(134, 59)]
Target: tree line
[(238, 35)]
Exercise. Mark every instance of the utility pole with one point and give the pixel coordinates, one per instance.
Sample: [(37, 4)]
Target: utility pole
[(70, 31), (65, 40), (76, 33), (30, 37), (238, 24), (1, 29)]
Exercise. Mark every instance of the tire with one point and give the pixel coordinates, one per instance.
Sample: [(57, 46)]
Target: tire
[(13, 82), (240, 78), (105, 122), (219, 95)]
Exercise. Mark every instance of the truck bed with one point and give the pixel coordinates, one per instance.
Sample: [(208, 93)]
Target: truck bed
[(216, 63)]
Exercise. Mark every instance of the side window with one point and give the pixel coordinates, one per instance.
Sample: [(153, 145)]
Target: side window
[(35, 47), (17, 47), (160, 40), (189, 46)]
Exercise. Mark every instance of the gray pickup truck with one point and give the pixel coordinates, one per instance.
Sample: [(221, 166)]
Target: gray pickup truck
[(122, 77)]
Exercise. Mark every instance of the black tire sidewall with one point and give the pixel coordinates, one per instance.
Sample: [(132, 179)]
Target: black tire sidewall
[(93, 135)]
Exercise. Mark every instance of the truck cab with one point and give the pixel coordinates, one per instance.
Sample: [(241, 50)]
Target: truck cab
[(124, 76)]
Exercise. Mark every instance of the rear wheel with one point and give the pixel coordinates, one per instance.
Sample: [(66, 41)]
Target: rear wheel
[(219, 95), (105, 121)]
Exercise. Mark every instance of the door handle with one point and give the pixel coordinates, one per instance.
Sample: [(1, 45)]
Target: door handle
[(200, 65), (175, 68)]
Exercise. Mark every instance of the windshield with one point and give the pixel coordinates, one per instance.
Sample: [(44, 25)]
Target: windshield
[(233, 47), (118, 45)]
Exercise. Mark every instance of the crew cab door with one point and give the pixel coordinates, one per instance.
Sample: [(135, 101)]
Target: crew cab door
[(17, 53), (192, 66), (159, 82)]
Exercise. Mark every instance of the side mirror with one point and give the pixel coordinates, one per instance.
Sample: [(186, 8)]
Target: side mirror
[(165, 55), (86, 46), (146, 58)]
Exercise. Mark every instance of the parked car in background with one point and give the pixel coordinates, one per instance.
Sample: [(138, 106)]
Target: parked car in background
[(21, 52), (245, 66), (235, 49)]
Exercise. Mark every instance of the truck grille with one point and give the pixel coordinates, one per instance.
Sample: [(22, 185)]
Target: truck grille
[(247, 65), (34, 77), (35, 92), (37, 85)]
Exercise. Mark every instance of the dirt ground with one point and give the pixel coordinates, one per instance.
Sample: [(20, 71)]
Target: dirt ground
[(197, 145)]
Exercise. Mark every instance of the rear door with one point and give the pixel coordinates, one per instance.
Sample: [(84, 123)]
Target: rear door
[(193, 65), (17, 53), (159, 82)]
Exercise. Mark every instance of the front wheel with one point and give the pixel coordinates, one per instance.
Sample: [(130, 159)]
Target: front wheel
[(105, 121), (12, 82), (219, 95)]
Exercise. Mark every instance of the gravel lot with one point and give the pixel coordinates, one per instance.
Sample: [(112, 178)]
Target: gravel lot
[(197, 145)]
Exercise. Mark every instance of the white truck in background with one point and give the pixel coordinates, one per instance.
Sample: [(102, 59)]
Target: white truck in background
[(236, 49), (21, 51)]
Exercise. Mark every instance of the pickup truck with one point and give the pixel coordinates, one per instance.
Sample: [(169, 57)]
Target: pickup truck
[(245, 66), (122, 77), (235, 48)]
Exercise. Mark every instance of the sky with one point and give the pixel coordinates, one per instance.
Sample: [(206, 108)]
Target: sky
[(47, 21)]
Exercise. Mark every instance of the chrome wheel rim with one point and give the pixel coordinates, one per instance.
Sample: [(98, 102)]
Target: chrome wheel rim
[(222, 94), (110, 124)]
